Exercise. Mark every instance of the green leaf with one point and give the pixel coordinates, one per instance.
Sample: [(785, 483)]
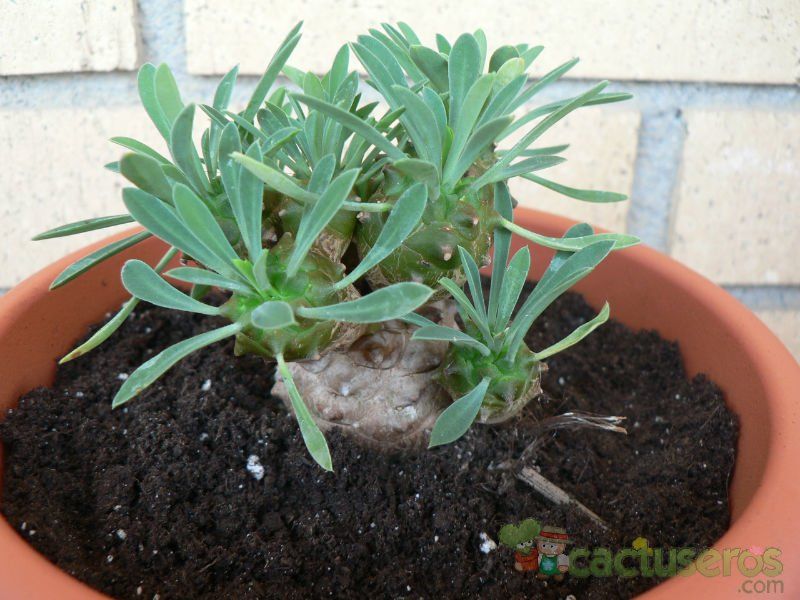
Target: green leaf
[(277, 180), (224, 91), (479, 142), (146, 82), (144, 283), (401, 222), (621, 240), (457, 418), (87, 262), (554, 283), (318, 217), (205, 277), (105, 332), (154, 368), (468, 117), (439, 333), (576, 336), (312, 436), (474, 283), (352, 123), (146, 174), (502, 247), (273, 315), (421, 125), (542, 83), (84, 226), (585, 195), (199, 220), (433, 65), (501, 56), (276, 65), (183, 151), (419, 170), (466, 309), (169, 98), (391, 302), (515, 277), (463, 69), (139, 148), (162, 221), (248, 205), (526, 165)]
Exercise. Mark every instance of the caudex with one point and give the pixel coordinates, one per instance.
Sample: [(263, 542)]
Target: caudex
[(333, 226)]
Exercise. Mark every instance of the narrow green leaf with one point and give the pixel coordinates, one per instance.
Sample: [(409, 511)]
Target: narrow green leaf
[(468, 117), (162, 221), (353, 123), (139, 147), (154, 368), (419, 170), (205, 277), (84, 226), (457, 418), (146, 82), (87, 262), (169, 98), (199, 220), (401, 222), (391, 302), (273, 315), (146, 174), (433, 65), (521, 167), (585, 195), (474, 283), (275, 179), (183, 151), (463, 69), (421, 125), (439, 333), (106, 331), (248, 205), (502, 247), (466, 308), (318, 216), (276, 65), (144, 283), (576, 336), (479, 142), (621, 240), (553, 284), (515, 277), (312, 436)]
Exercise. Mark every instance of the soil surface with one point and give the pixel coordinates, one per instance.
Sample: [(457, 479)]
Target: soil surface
[(202, 488)]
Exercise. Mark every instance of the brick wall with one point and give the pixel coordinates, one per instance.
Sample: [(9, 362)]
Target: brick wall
[(708, 150)]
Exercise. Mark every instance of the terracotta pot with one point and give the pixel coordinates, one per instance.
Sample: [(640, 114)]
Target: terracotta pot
[(717, 336)]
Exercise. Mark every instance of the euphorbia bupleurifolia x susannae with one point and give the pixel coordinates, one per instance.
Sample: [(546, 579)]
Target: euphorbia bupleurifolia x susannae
[(326, 220)]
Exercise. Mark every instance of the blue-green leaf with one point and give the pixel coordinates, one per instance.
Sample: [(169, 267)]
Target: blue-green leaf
[(205, 277), (144, 283), (576, 336), (391, 302), (439, 333), (463, 69), (84, 226), (578, 194), (318, 216), (199, 220), (146, 174), (312, 436), (87, 262), (154, 368), (457, 418), (401, 222)]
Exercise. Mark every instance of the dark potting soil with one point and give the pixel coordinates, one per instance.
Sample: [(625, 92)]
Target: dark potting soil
[(157, 498)]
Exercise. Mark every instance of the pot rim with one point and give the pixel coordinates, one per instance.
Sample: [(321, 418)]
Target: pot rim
[(765, 519)]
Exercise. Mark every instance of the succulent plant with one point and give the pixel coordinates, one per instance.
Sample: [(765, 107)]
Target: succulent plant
[(283, 194)]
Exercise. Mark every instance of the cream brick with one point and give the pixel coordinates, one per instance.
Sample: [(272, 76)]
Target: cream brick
[(43, 36), (737, 215), (786, 325), (754, 41), (601, 156), (58, 177)]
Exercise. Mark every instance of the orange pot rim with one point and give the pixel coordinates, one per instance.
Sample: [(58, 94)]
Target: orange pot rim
[(766, 517)]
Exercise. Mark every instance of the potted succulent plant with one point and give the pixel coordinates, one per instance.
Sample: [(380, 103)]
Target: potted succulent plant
[(344, 243)]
